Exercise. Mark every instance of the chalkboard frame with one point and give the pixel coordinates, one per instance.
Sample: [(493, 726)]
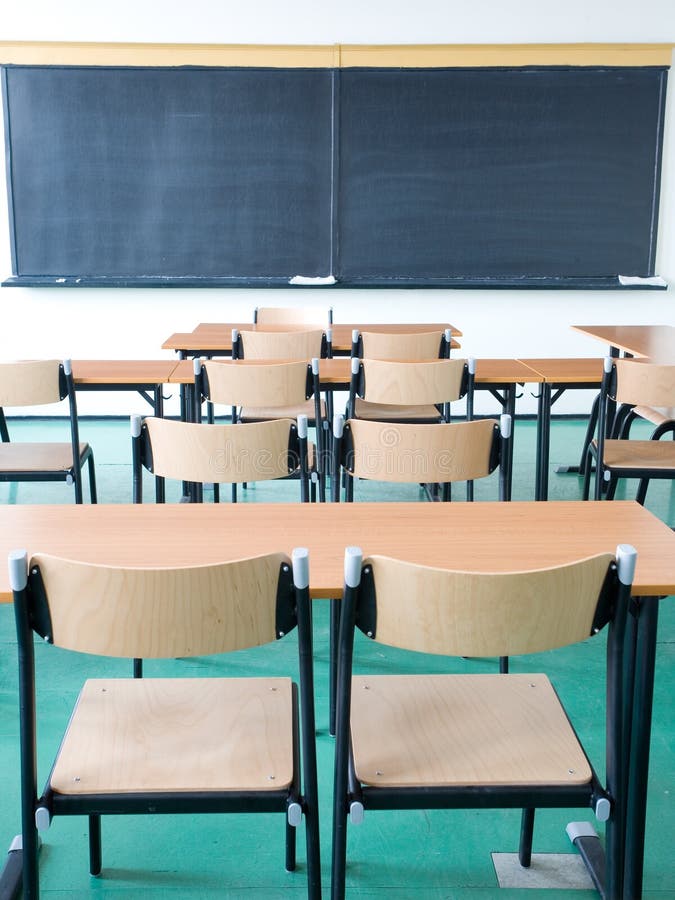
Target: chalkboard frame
[(189, 281)]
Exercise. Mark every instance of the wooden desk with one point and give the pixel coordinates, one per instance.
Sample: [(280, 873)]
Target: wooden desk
[(557, 376), (496, 536), (210, 338), (335, 373), (146, 376), (656, 342), (486, 536)]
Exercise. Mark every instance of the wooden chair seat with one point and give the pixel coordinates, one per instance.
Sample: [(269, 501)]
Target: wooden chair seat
[(639, 455), (457, 730), (29, 457), (178, 734), (264, 413), (390, 412)]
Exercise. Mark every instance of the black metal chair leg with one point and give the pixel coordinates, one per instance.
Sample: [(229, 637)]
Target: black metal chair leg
[(587, 470), (92, 479), (291, 838), (642, 491), (333, 657), (94, 845), (588, 437)]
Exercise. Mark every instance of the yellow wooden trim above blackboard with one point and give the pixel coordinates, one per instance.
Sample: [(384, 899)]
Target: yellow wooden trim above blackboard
[(461, 55), (46, 53)]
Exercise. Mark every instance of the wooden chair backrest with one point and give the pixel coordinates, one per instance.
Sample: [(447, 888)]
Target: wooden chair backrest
[(459, 451), (477, 614), (161, 612), (257, 384), (413, 383), (293, 315), (391, 346), (256, 451), (287, 345), (30, 382), (645, 384)]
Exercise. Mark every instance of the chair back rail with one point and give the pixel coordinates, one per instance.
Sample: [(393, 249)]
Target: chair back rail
[(257, 384), (412, 383), (256, 451), (394, 346), (160, 613), (477, 614), (460, 451), (30, 383), (286, 345), (646, 384)]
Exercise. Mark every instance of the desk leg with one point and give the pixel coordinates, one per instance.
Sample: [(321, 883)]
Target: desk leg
[(510, 408), (543, 442), (636, 812), (159, 412)]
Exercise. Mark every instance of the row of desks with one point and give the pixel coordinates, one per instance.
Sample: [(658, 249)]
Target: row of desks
[(499, 376), (481, 536)]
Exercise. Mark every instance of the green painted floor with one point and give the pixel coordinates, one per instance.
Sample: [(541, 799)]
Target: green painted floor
[(434, 854)]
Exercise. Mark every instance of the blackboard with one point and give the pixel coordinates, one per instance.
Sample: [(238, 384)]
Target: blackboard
[(531, 176), (170, 172), (484, 174)]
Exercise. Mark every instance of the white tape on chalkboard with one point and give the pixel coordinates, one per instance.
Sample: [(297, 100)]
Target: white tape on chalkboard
[(308, 279), (636, 281)]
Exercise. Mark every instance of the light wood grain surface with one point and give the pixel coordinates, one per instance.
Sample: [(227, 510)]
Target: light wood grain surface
[(255, 451), (157, 734), (218, 335), (462, 730), (421, 454), (123, 371), (499, 614), (654, 341), (161, 613), (567, 371), (486, 536), (29, 382)]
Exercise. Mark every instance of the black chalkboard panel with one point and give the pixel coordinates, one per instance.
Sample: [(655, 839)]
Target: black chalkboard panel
[(170, 172), (536, 176), (490, 174)]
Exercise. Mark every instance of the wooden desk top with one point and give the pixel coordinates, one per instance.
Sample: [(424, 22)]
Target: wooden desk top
[(490, 536), (504, 371), (122, 371), (218, 336), (654, 341), (337, 371), (339, 328), (568, 371)]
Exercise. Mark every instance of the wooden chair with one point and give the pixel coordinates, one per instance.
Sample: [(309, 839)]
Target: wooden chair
[(293, 315), (409, 391), (169, 745), (194, 453), (401, 345), (35, 383), (487, 741), (262, 391), (631, 384)]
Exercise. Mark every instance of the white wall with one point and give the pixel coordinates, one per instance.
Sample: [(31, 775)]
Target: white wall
[(108, 323)]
